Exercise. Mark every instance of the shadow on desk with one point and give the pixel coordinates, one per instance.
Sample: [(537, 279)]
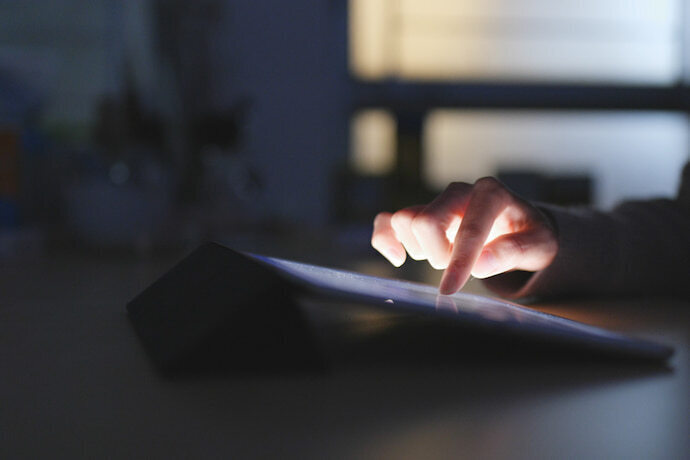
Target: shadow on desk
[(367, 340), (390, 379), (77, 383)]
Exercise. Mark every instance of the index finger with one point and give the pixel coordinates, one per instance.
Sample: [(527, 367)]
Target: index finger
[(487, 201), (441, 216)]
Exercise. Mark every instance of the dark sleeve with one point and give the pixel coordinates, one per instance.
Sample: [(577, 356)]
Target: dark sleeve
[(641, 247)]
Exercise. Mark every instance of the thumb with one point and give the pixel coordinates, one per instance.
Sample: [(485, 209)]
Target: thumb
[(530, 250)]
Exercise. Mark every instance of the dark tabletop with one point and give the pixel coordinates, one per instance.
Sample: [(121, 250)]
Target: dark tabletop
[(75, 382)]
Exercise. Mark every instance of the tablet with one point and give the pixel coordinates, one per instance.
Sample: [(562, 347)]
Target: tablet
[(404, 296)]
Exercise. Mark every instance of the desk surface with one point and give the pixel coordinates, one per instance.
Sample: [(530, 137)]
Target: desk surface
[(75, 382)]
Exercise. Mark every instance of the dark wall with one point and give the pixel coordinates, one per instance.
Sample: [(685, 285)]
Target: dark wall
[(289, 60)]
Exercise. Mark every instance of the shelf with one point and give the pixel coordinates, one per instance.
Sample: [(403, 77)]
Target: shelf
[(414, 97)]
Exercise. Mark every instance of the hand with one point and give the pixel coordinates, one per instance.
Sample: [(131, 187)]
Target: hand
[(482, 229)]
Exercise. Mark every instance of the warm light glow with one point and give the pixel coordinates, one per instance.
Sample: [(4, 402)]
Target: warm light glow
[(584, 40), (373, 145), (453, 228), (370, 38), (627, 154), (495, 232)]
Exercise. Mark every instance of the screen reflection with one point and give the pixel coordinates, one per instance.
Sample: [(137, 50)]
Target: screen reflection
[(401, 296)]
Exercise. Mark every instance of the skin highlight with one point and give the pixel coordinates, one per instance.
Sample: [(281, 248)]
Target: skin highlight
[(481, 230)]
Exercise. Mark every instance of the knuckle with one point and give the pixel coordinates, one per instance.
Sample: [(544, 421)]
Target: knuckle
[(401, 218), (424, 223), (515, 245), (492, 187), (472, 231), (502, 194), (381, 217), (457, 186), (396, 222), (487, 183)]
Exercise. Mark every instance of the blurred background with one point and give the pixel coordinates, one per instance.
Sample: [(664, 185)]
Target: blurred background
[(153, 124)]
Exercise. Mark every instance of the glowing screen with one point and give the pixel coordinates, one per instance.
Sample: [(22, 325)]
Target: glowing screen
[(405, 296)]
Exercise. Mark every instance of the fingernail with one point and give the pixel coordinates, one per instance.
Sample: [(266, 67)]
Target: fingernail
[(396, 257)]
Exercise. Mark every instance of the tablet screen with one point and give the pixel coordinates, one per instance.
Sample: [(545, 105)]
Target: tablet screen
[(398, 295)]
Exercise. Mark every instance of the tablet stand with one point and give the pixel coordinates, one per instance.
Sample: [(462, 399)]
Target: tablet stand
[(218, 310)]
